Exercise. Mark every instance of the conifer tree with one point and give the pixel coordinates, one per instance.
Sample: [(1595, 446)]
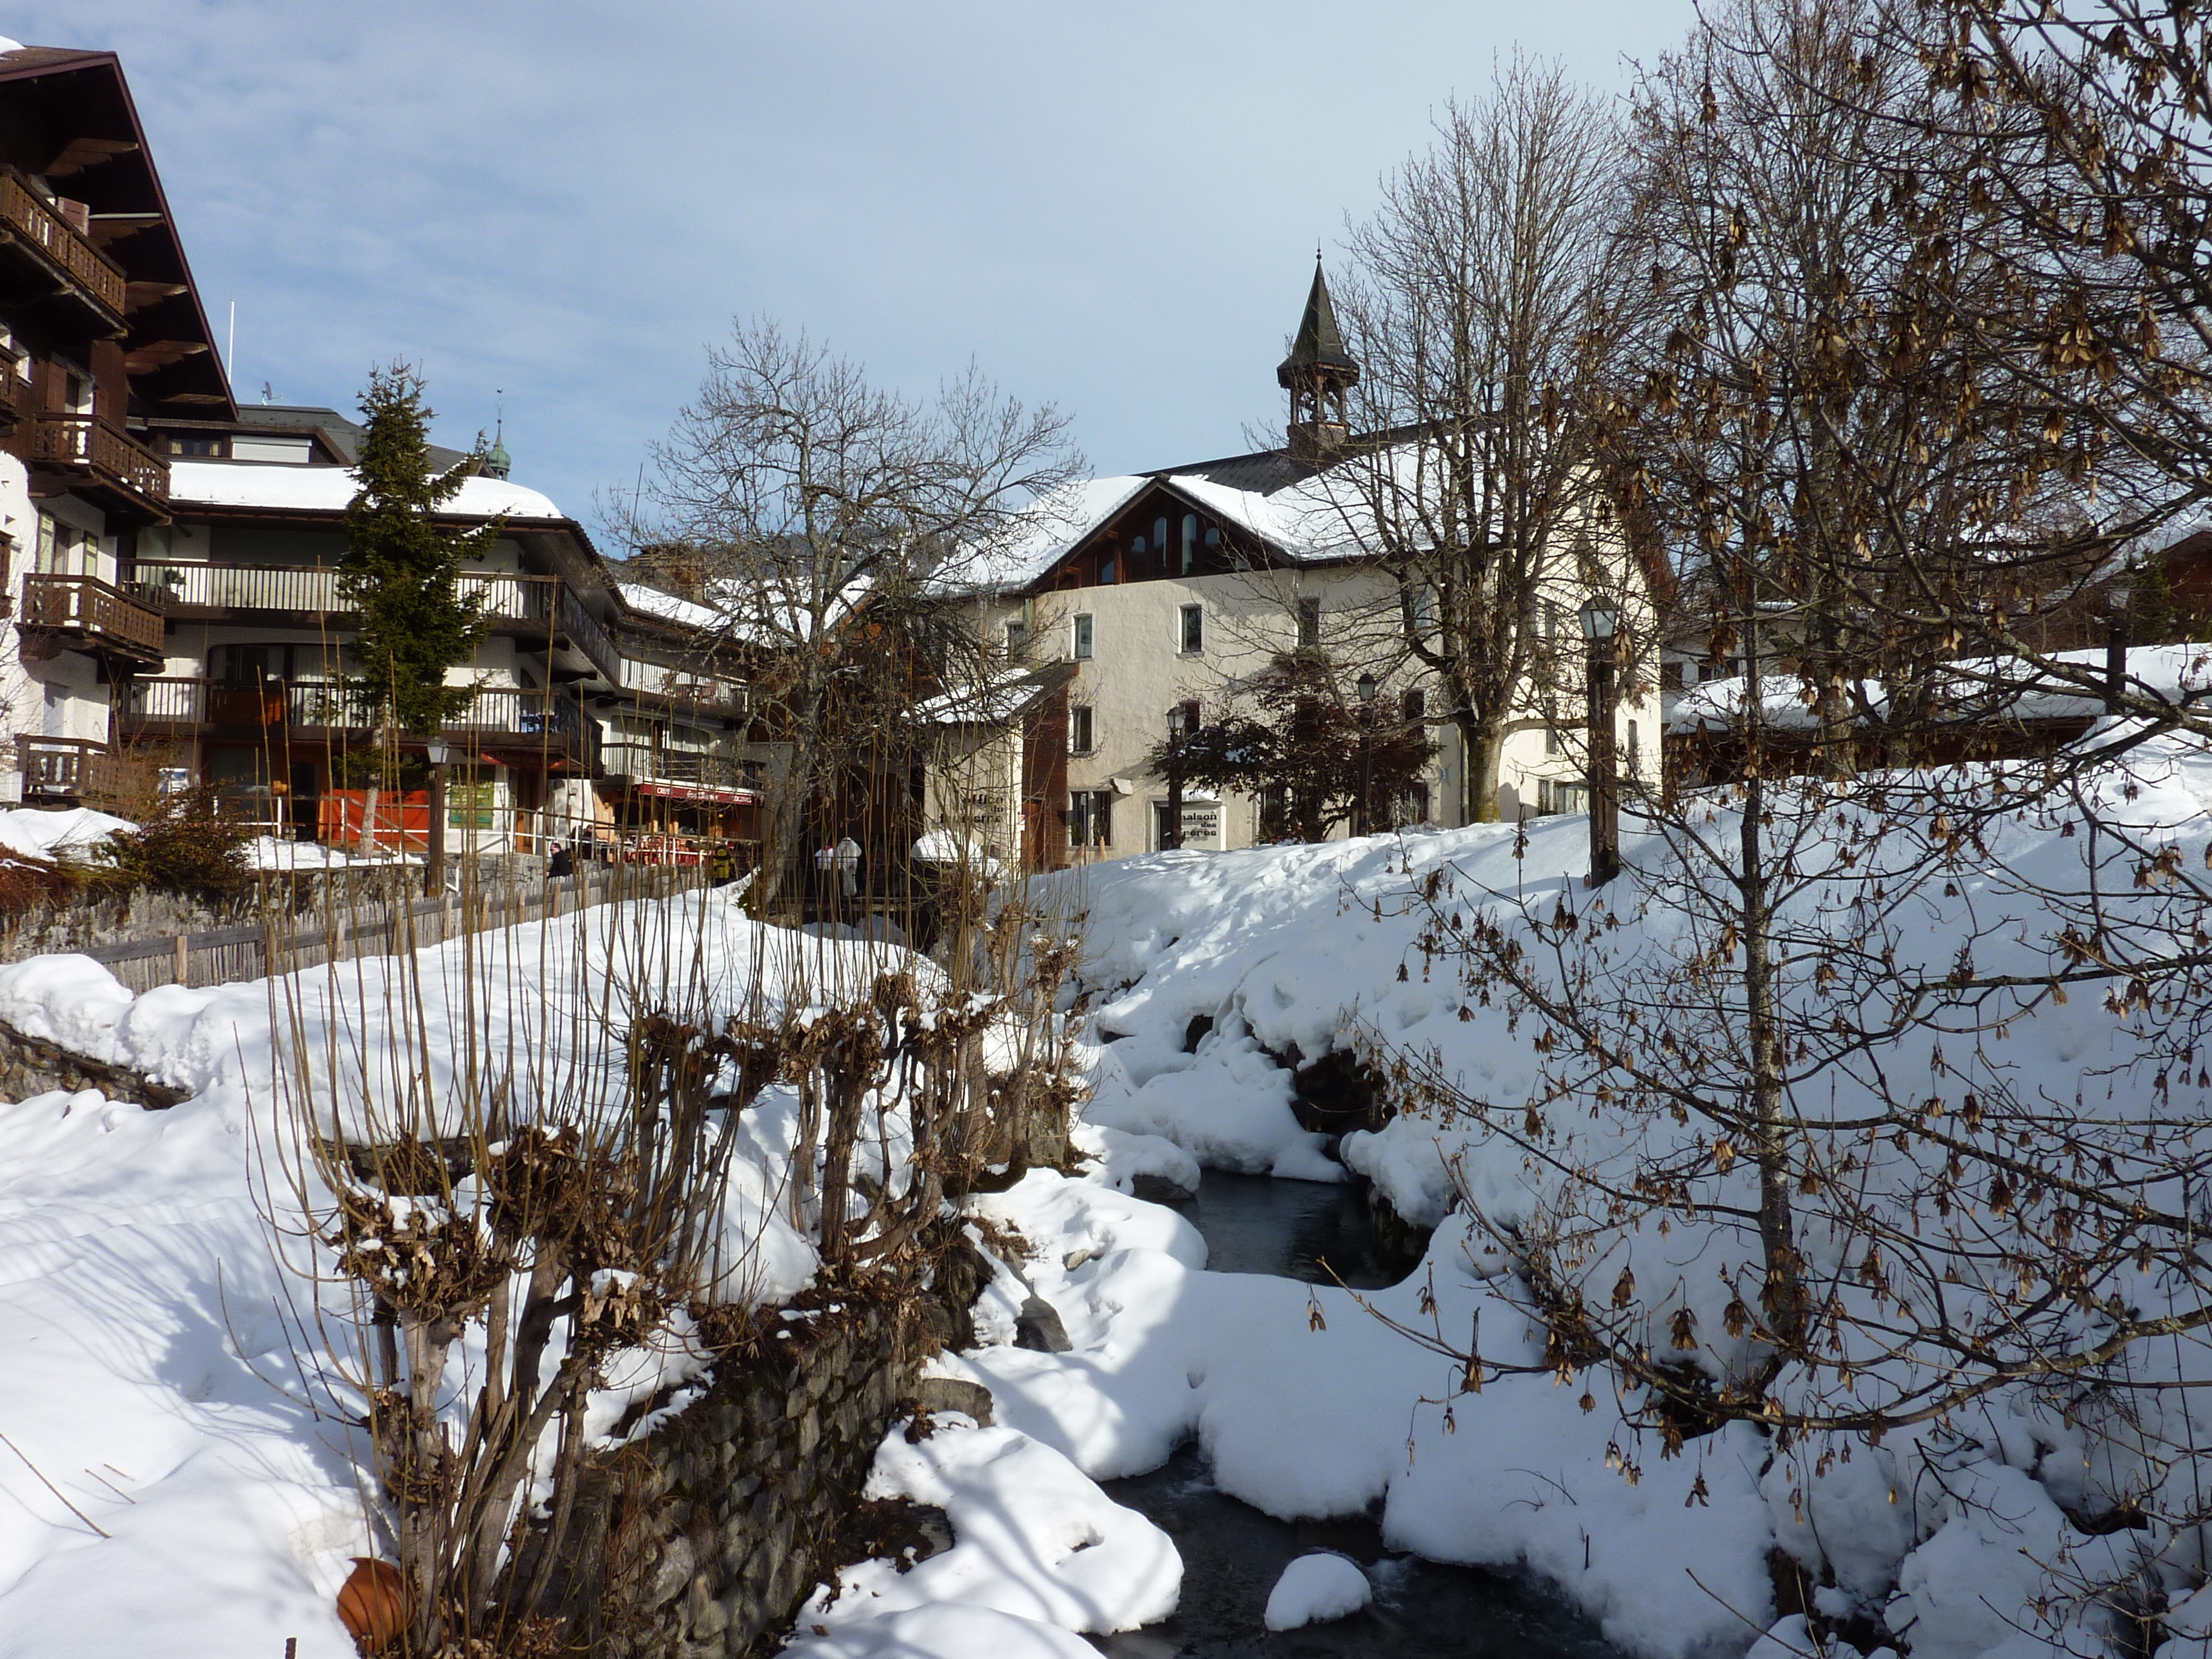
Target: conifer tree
[(400, 568)]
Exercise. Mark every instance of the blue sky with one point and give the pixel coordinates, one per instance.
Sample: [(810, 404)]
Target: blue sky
[(1113, 208)]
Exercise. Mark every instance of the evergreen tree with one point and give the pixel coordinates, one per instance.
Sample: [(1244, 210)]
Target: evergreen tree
[(400, 569)]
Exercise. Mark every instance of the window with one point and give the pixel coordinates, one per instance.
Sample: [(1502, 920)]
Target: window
[(1194, 629), (1414, 707), (1091, 817), (1309, 623), (1079, 730), (1160, 540), (191, 447), (1271, 813), (65, 551), (1561, 797), (1184, 718), (1106, 572), (1138, 548), (1017, 638), (1189, 542), (1084, 639)]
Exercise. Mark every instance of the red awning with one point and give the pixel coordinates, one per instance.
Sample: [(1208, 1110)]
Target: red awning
[(706, 792)]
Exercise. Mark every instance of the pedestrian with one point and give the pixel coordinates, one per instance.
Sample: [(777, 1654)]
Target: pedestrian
[(562, 863)]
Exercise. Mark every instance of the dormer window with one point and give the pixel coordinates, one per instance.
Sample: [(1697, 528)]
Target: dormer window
[(1138, 548), (1106, 571), (1189, 542)]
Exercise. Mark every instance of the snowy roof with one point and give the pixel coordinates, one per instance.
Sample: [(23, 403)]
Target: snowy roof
[(1302, 514), (651, 602), (1986, 688), (329, 488), (995, 697)]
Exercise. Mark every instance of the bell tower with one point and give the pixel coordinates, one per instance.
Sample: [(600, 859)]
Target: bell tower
[(1317, 374)]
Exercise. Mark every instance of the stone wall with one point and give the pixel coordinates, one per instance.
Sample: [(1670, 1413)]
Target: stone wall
[(715, 1531), (32, 1065)]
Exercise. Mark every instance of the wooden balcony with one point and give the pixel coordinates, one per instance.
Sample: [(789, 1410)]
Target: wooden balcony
[(83, 613), (97, 457), (176, 706), (535, 610), (37, 234), (685, 688), (79, 769), (650, 768)]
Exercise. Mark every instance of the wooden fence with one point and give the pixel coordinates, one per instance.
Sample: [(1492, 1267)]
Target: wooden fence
[(369, 928)]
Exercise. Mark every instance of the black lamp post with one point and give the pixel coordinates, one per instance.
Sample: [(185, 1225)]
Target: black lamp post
[(1601, 620), (1171, 831), (437, 752), (1365, 687)]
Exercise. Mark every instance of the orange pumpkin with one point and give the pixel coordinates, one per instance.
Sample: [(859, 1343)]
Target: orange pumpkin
[(372, 1604)]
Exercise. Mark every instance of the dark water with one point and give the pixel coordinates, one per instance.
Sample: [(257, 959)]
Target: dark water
[(1299, 1230), (1232, 1554)]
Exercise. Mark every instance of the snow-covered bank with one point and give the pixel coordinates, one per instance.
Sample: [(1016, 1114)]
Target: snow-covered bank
[(1952, 1536), (178, 1463)]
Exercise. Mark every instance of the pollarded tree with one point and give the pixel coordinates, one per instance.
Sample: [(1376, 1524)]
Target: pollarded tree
[(401, 569)]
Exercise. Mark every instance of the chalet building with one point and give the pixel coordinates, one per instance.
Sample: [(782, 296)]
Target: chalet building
[(596, 701), (102, 335), (1164, 592), (172, 559)]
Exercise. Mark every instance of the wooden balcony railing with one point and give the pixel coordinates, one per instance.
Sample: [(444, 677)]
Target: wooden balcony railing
[(641, 761), (495, 714), (33, 218), (100, 448), (684, 687), (78, 769), (93, 615)]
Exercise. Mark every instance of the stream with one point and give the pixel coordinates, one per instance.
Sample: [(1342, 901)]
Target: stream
[(1232, 1554)]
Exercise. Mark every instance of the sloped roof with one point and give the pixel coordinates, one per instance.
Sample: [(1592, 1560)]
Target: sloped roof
[(57, 97), (329, 488), (1318, 346)]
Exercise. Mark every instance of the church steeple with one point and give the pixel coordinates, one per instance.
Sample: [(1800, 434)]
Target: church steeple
[(1317, 374)]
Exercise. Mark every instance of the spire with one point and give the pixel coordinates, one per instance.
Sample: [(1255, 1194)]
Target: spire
[(498, 463), (1317, 374), (1318, 351)]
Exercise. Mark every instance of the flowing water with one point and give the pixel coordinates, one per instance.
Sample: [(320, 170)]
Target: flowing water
[(1232, 1554)]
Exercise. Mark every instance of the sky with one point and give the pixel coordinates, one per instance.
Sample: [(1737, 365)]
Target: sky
[(1112, 209)]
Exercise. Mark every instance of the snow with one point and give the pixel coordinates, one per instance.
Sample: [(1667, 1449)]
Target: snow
[(147, 1368), (28, 832), (329, 489), (651, 602), (268, 853), (1316, 1589), (1036, 1539), (141, 1317), (1977, 688)]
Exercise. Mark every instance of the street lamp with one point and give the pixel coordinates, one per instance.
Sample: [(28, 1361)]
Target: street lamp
[(1365, 687), (1171, 831), (1601, 620), (438, 752)]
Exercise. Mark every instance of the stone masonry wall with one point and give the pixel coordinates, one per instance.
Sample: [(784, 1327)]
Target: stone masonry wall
[(723, 1523), (30, 1066)]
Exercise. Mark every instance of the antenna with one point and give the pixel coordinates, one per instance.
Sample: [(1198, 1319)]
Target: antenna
[(499, 418)]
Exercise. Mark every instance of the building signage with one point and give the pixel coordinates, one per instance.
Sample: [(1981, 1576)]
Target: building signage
[(1201, 823)]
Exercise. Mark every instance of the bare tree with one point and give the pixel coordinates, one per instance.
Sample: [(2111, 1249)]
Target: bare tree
[(808, 497), (1483, 288)]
